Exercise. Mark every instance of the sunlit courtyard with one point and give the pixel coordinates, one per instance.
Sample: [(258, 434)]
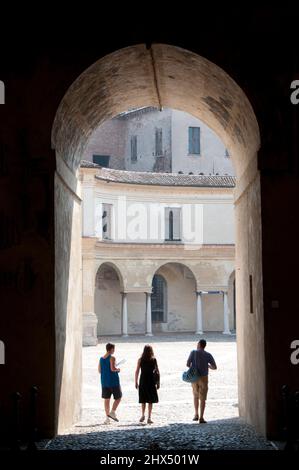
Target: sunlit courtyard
[(173, 426)]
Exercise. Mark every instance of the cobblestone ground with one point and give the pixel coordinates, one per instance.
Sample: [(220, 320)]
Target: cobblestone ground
[(173, 427)]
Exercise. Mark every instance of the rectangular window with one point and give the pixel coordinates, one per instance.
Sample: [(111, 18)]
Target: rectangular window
[(250, 293), (102, 160), (134, 148), (172, 224), (158, 143), (106, 221), (159, 300), (194, 140)]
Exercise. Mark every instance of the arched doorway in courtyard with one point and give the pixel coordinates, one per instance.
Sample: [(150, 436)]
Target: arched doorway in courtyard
[(159, 76), (173, 299), (108, 300)]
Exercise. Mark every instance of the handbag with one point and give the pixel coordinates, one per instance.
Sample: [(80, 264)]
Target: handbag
[(156, 375), (190, 375)]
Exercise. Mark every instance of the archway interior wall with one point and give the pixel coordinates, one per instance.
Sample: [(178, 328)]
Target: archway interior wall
[(68, 298), (231, 305), (250, 323), (172, 77)]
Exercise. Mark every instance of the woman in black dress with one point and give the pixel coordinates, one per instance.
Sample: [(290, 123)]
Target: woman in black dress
[(149, 381)]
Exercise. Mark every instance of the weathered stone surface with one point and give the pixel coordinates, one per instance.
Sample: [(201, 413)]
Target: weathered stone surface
[(177, 79)]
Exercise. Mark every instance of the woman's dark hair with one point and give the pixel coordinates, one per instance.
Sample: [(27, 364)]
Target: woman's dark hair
[(148, 353), (110, 346)]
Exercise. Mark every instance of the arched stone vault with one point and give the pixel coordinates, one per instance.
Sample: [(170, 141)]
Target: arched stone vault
[(138, 277), (118, 269), (164, 76)]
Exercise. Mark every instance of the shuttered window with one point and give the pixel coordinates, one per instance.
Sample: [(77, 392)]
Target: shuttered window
[(158, 142), (172, 224), (134, 148), (194, 140), (106, 221)]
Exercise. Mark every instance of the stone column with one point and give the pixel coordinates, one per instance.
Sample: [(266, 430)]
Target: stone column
[(226, 330), (148, 314), (89, 320), (124, 314), (198, 313)]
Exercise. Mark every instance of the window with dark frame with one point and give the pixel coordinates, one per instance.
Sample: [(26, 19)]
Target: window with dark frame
[(134, 148), (194, 141), (172, 224), (158, 142), (158, 299), (102, 160)]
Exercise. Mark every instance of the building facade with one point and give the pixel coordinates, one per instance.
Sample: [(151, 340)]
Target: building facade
[(158, 252), (159, 141)]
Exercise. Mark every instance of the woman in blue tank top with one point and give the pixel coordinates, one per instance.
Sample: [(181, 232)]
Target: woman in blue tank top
[(110, 382)]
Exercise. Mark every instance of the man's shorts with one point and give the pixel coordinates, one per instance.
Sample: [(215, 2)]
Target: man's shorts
[(108, 391), (200, 387)]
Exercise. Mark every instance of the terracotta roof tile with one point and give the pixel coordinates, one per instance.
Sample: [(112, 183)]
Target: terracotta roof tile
[(161, 179)]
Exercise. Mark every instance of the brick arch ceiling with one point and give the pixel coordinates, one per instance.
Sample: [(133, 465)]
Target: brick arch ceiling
[(162, 76)]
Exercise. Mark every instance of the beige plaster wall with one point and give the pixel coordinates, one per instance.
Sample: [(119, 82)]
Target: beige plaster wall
[(68, 298), (250, 326), (108, 306)]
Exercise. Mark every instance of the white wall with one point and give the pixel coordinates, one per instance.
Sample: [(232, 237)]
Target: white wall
[(142, 212), (212, 150), (88, 212), (218, 223)]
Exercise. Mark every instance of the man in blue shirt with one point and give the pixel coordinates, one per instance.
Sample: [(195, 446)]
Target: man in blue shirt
[(202, 361), (110, 382)]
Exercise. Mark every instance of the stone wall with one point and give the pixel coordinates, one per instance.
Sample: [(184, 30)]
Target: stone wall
[(212, 158), (37, 79), (68, 297)]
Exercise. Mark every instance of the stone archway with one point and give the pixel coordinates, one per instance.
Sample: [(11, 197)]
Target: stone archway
[(180, 303), (108, 300), (162, 75)]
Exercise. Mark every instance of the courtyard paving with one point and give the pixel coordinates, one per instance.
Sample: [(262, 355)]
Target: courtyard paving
[(173, 427)]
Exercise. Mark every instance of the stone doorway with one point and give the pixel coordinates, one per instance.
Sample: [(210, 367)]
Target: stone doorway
[(161, 75)]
